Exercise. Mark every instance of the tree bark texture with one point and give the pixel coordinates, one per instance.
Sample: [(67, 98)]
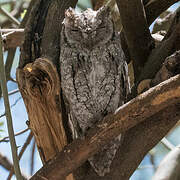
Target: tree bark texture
[(168, 46), (145, 120), (38, 79), (132, 14), (152, 102), (12, 37), (40, 91)]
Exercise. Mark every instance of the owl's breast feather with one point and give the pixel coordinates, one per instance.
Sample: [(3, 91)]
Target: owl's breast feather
[(96, 74)]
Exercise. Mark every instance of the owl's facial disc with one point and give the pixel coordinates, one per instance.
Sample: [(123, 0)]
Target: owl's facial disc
[(88, 29)]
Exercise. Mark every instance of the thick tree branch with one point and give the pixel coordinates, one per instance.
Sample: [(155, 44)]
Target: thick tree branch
[(155, 8), (51, 41), (26, 54), (169, 45), (137, 142), (137, 110), (38, 84), (136, 31), (42, 38), (12, 37), (170, 67)]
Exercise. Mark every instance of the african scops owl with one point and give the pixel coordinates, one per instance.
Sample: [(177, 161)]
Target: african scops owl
[(94, 76)]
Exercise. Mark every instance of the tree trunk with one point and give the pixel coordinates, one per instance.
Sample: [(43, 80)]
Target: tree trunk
[(38, 79)]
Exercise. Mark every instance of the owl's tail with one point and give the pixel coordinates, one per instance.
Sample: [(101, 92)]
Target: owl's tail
[(101, 161)]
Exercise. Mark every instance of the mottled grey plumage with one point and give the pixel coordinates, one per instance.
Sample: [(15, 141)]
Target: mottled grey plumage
[(94, 75)]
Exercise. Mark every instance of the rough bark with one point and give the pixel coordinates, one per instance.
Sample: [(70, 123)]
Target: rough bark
[(40, 91), (37, 84), (136, 36), (42, 36), (152, 10), (38, 79), (12, 37), (155, 8), (156, 100), (170, 67), (137, 142), (170, 44)]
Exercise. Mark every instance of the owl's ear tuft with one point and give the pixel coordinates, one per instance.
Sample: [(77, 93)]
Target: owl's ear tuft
[(69, 13), (104, 12)]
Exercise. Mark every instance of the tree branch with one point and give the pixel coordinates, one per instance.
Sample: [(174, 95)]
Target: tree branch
[(11, 52), (13, 92), (138, 141), (155, 100), (168, 46), (27, 142), (136, 31), (12, 37), (33, 148), (155, 8), (26, 49), (42, 38), (8, 114), (51, 41), (6, 139), (5, 163), (9, 16), (167, 144)]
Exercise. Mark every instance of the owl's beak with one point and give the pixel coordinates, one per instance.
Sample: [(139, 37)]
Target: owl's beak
[(89, 34), (85, 35)]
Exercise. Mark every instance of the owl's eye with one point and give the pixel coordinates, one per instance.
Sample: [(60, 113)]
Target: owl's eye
[(75, 30), (101, 27)]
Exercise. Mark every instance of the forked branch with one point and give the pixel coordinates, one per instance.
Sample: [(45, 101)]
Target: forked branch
[(136, 31)]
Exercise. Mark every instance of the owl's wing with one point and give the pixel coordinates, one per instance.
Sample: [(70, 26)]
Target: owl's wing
[(125, 81), (101, 161), (119, 56)]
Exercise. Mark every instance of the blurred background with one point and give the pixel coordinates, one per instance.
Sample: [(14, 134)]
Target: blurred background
[(30, 161)]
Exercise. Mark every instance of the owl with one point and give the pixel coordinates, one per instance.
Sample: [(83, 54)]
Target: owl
[(94, 76)]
